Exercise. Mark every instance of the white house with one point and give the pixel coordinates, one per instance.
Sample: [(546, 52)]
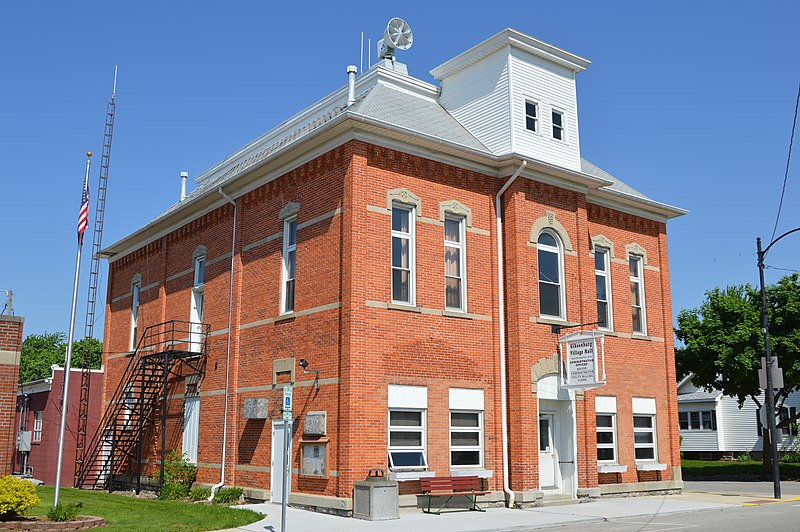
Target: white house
[(712, 425)]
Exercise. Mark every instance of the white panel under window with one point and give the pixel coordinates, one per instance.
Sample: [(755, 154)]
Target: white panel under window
[(466, 399), (408, 396), (644, 405), (606, 405)]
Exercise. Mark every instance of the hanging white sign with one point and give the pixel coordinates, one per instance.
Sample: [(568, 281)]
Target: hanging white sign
[(584, 361)]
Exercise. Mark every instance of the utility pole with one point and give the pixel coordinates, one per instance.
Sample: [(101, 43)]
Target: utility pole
[(769, 392)]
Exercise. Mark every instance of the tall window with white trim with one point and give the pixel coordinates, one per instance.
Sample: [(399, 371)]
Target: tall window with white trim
[(606, 429), (407, 438), (644, 437), (403, 254), (645, 441), (637, 295), (603, 281), (454, 267), (551, 269), (289, 263), (37, 426), (136, 289), (196, 311)]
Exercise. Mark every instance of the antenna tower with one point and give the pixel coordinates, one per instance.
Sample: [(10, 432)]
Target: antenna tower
[(94, 279)]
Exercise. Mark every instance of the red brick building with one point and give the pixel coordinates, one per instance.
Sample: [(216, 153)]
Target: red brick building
[(10, 348), (415, 244), (39, 411)]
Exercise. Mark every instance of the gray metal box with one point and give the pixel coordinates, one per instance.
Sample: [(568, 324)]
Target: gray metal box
[(376, 499), (24, 441), (256, 408)]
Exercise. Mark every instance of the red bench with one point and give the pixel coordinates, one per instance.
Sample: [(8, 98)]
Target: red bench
[(449, 487)]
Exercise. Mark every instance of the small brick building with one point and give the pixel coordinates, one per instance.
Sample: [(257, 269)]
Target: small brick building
[(368, 236), (39, 411)]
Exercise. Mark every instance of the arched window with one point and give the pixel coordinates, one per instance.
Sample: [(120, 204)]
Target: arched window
[(551, 275)]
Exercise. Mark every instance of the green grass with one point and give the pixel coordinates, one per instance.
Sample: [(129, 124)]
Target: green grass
[(750, 470), (129, 514)]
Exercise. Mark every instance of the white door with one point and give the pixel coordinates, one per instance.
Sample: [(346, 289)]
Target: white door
[(549, 477), (191, 428), (105, 456), (278, 465)]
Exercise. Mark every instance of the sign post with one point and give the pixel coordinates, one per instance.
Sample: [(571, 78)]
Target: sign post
[(287, 466)]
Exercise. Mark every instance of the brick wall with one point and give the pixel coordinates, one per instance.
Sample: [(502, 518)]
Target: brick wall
[(345, 325), (10, 347)]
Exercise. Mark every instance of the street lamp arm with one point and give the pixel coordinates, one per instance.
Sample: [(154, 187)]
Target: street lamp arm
[(787, 233)]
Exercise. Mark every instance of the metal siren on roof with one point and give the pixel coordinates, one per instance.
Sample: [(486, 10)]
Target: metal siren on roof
[(396, 36)]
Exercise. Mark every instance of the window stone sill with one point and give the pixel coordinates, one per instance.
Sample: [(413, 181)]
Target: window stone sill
[(285, 317), (406, 308), (611, 468), (405, 476), (456, 314), (650, 466), (475, 472)]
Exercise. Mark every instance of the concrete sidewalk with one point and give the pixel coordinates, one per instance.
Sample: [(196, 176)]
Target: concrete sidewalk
[(493, 520)]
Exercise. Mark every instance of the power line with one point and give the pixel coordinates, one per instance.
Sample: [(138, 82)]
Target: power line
[(786, 173), (781, 269)]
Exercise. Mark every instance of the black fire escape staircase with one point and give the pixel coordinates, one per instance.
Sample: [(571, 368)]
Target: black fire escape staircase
[(114, 458)]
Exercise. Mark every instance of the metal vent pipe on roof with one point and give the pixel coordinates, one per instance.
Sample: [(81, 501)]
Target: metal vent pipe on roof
[(351, 85), (184, 175)]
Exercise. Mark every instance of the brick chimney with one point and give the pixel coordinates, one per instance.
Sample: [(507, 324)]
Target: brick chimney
[(10, 347)]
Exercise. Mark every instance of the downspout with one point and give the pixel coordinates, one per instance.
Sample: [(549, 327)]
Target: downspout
[(498, 208), (221, 482)]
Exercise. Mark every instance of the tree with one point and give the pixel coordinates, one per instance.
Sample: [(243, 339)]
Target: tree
[(40, 351), (723, 342)]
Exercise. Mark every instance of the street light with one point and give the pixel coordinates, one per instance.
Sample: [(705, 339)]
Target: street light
[(770, 392)]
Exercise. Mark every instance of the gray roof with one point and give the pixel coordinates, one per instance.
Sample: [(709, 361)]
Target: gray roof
[(617, 184), (399, 108), (700, 395)]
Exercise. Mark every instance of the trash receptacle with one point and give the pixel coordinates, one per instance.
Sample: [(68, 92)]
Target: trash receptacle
[(376, 498)]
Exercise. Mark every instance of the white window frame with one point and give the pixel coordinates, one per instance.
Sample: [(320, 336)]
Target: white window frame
[(613, 431), (38, 425), (606, 274), (652, 430), (136, 292), (559, 251), (561, 128), (478, 430), (197, 304), (406, 428), (462, 263), (411, 237), (289, 225), (700, 416), (638, 278), (535, 117), (787, 412)]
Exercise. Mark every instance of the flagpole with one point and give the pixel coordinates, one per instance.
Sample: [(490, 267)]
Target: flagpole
[(67, 361)]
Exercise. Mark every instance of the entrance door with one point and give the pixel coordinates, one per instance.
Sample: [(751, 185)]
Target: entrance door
[(191, 428), (196, 318), (549, 477), (278, 465)]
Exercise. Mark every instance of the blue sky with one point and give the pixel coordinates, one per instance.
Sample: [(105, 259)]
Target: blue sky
[(689, 102)]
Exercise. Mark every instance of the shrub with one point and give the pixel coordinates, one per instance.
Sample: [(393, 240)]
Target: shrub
[(743, 457), (178, 470), (200, 494), (172, 491), (17, 496), (792, 457), (228, 495), (64, 512)]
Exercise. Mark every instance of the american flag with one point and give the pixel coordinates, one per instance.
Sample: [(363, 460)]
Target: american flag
[(83, 215)]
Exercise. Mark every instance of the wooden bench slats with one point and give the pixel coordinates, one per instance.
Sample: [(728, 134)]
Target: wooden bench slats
[(450, 487)]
